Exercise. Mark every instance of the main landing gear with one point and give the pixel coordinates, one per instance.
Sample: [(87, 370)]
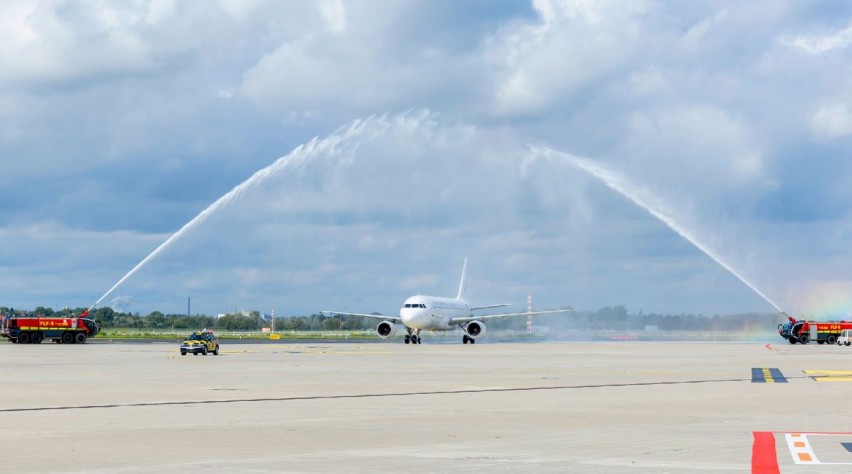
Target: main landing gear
[(466, 339), (412, 338)]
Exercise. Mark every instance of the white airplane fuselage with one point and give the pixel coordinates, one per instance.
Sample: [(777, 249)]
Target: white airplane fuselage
[(432, 313)]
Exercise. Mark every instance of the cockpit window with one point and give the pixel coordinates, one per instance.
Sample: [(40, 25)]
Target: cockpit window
[(422, 305)]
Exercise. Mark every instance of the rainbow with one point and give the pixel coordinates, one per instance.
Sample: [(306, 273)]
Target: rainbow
[(826, 301)]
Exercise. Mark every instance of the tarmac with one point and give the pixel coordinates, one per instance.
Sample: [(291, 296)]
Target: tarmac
[(390, 407)]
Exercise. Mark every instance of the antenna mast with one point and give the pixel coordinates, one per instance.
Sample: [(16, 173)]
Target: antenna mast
[(529, 313)]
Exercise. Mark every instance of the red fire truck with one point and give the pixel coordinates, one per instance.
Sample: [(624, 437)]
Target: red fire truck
[(32, 329), (802, 331)]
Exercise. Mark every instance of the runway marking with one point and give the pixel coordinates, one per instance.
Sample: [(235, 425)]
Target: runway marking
[(764, 458), (829, 375), (800, 449), (365, 395), (767, 375)]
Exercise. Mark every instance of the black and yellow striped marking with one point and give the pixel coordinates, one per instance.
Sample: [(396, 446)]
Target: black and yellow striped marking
[(767, 375)]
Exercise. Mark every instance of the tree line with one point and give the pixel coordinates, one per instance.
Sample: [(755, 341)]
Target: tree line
[(607, 318)]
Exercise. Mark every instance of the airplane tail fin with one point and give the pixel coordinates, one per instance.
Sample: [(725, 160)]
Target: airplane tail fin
[(463, 284)]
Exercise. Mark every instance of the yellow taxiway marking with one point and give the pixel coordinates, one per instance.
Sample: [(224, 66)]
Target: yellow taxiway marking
[(830, 375)]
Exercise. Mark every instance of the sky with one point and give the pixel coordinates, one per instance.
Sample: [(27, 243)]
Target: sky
[(670, 157)]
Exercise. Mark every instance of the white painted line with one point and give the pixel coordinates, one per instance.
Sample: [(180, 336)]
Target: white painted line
[(800, 449)]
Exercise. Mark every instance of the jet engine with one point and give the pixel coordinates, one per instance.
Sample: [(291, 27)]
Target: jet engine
[(475, 329), (386, 329)]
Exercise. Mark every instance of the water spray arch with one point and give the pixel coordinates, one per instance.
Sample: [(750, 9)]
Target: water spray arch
[(650, 203), (323, 164), (323, 171)]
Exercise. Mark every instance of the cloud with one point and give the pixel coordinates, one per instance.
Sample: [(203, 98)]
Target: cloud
[(832, 120), (818, 44), (334, 14), (51, 42), (572, 45), (121, 122), (699, 142), (418, 283)]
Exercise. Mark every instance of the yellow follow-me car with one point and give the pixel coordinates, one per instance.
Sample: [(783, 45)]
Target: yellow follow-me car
[(200, 342)]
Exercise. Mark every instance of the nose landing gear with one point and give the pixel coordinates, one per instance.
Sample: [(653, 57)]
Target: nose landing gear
[(466, 339), (412, 339)]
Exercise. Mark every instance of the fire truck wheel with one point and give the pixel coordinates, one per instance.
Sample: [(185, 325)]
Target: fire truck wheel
[(36, 338), (831, 339), (23, 338), (67, 338), (803, 339), (80, 338)]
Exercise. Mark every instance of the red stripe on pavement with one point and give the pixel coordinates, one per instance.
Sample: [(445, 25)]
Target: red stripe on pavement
[(763, 457)]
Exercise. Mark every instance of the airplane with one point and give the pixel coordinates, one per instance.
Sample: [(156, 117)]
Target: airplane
[(433, 313)]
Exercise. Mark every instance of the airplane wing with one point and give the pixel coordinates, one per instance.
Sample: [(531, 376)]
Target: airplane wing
[(395, 319), (489, 306), (466, 319)]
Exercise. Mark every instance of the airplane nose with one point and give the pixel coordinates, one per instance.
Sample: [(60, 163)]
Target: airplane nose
[(413, 317)]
